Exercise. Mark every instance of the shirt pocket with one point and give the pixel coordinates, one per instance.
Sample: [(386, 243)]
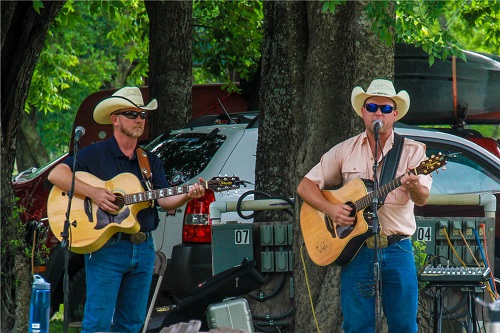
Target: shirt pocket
[(351, 170)]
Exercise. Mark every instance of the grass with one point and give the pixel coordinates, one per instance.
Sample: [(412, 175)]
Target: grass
[(56, 324)]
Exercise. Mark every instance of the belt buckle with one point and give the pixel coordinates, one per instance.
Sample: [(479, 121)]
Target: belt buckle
[(138, 238), (382, 244)]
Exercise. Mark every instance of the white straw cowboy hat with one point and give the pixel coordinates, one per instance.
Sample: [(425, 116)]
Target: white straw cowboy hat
[(383, 88), (126, 97)]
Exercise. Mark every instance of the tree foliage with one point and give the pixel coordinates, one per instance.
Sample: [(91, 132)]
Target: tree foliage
[(440, 28), (227, 40), (96, 45), (103, 44)]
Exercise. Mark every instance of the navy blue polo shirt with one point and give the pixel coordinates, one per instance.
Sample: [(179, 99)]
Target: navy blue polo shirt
[(105, 160)]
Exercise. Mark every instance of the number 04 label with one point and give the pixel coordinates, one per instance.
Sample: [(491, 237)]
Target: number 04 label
[(424, 234)]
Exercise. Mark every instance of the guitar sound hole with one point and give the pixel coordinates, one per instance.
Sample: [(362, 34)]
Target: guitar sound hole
[(344, 231), (341, 231), (119, 201)]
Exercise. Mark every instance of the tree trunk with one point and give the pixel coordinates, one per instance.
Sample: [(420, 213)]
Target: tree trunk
[(311, 62), (23, 35), (170, 63), (30, 151)]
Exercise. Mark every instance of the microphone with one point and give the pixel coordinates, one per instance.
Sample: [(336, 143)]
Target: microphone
[(79, 132), (377, 124)]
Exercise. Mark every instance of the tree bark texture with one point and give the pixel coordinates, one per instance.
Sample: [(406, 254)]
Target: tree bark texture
[(23, 34), (30, 151), (170, 63), (281, 94), (311, 61)]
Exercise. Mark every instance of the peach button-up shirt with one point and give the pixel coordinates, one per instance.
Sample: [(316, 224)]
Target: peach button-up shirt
[(353, 159)]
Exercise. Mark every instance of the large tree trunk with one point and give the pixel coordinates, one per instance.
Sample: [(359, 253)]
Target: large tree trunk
[(23, 35), (305, 108), (170, 63)]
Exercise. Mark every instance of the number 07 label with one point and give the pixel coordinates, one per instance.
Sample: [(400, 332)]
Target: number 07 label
[(242, 236)]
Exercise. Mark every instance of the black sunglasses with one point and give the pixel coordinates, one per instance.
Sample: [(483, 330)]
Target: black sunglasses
[(372, 107), (133, 114)]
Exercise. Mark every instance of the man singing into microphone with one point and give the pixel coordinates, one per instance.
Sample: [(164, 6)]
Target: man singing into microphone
[(119, 273), (379, 107)]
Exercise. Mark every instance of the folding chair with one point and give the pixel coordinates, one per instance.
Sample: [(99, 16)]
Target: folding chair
[(159, 269)]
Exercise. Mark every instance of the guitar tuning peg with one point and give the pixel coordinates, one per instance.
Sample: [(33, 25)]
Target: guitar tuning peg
[(220, 194)]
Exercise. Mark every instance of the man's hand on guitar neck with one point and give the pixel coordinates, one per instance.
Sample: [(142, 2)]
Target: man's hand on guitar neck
[(418, 193), (196, 191)]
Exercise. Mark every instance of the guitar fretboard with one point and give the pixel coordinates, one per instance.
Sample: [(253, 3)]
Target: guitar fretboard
[(382, 192), (133, 198), (425, 168)]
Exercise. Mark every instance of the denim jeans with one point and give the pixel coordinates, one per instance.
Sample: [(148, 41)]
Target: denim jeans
[(118, 281), (399, 290)]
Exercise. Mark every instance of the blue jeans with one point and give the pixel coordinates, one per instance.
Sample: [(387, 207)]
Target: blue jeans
[(399, 290), (118, 281)]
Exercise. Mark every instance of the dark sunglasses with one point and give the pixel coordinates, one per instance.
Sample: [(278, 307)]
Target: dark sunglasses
[(133, 114), (372, 107)]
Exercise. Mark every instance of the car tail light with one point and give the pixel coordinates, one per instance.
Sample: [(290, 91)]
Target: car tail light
[(197, 227)]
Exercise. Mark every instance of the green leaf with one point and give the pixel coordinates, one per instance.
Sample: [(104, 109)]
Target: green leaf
[(37, 4), (431, 60)]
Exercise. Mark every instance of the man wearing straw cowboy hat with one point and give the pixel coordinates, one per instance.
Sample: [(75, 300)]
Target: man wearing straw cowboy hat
[(119, 273), (354, 158)]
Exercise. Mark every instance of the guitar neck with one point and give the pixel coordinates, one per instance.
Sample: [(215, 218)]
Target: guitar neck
[(157, 194), (367, 200)]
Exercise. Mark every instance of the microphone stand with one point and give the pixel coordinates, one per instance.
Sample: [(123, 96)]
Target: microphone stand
[(376, 236), (65, 239)]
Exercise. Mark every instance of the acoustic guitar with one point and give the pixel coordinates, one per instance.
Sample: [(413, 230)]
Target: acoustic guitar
[(91, 227), (328, 243)]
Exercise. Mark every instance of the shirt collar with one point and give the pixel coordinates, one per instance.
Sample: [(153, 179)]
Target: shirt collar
[(116, 151)]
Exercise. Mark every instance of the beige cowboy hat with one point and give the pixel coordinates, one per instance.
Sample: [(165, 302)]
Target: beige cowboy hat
[(126, 97), (383, 88)]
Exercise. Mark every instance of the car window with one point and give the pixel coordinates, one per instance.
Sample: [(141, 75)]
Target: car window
[(185, 155), (464, 173)]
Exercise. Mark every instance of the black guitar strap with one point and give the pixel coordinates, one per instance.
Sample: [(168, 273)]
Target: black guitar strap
[(391, 162)]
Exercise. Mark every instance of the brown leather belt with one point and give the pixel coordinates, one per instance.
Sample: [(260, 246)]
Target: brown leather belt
[(137, 238), (386, 240)]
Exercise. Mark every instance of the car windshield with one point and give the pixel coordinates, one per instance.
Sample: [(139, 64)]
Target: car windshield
[(34, 172), (185, 155), (464, 173)]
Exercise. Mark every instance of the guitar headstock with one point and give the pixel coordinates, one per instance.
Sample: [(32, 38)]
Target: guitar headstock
[(224, 183), (431, 164)]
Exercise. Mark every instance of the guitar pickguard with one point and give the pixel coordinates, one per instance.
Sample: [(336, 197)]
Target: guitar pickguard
[(104, 218)]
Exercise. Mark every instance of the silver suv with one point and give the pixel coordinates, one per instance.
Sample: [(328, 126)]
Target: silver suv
[(207, 147)]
